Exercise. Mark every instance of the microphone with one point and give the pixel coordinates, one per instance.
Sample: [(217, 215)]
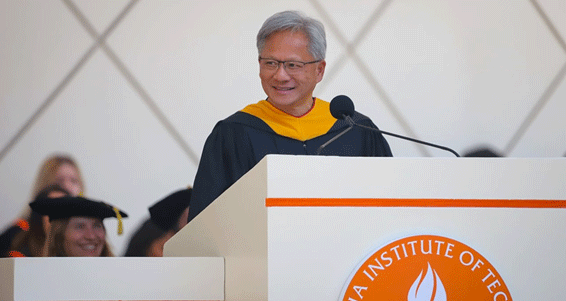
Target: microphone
[(342, 107)]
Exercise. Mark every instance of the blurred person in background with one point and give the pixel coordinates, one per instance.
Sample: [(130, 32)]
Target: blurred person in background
[(77, 228), (62, 170), (167, 217), (29, 242), (482, 151), (146, 241), (56, 169)]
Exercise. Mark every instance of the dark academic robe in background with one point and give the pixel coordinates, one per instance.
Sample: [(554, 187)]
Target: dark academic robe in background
[(240, 141), (6, 239)]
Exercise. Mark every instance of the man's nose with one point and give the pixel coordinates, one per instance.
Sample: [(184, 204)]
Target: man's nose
[(281, 73)]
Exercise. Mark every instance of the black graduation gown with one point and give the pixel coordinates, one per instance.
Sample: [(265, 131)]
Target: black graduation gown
[(6, 239), (239, 142)]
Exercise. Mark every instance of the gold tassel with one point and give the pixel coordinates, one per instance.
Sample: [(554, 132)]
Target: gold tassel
[(119, 217)]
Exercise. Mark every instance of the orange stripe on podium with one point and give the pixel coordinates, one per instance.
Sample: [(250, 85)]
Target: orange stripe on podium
[(455, 203)]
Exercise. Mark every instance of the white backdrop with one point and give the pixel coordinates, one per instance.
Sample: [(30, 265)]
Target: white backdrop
[(131, 89)]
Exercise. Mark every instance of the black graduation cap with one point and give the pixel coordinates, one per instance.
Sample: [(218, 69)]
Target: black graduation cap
[(482, 152), (166, 212), (69, 206)]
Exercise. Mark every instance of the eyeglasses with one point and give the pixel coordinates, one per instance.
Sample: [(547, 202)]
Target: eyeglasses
[(290, 66)]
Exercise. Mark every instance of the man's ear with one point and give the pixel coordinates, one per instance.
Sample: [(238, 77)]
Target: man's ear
[(320, 70)]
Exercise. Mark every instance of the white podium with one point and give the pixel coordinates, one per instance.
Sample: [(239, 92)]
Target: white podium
[(111, 278), (299, 227)]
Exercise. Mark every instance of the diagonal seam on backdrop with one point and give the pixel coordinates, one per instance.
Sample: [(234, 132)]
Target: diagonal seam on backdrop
[(548, 92), (350, 52), (100, 43)]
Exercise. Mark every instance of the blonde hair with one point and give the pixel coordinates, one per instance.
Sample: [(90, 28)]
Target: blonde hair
[(55, 242), (48, 172), (46, 177)]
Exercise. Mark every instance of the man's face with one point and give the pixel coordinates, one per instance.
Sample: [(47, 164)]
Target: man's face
[(290, 92)]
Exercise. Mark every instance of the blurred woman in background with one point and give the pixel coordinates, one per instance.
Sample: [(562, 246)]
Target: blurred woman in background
[(56, 169), (62, 170), (29, 242), (167, 217), (77, 228)]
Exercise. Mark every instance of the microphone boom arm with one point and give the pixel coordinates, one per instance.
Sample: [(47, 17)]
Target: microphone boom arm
[(349, 119), (320, 148)]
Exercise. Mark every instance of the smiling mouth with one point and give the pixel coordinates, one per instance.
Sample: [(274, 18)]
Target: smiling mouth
[(284, 88), (89, 248)]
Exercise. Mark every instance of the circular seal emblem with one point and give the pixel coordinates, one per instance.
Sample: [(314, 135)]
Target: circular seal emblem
[(425, 267)]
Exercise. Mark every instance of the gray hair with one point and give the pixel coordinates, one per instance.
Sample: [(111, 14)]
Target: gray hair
[(295, 21)]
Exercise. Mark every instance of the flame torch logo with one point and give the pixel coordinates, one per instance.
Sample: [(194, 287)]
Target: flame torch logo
[(426, 268), (427, 288)]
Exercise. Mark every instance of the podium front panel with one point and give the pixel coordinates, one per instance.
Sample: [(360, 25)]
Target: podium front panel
[(338, 213), (312, 227)]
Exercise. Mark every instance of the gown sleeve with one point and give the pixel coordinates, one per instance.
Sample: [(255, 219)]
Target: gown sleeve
[(227, 155), (379, 146)]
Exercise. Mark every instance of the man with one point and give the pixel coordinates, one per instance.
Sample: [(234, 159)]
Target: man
[(291, 50)]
